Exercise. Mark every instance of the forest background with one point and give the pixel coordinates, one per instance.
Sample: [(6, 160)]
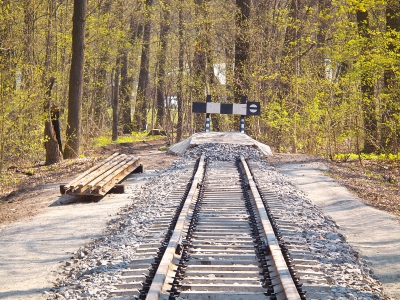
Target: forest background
[(326, 72)]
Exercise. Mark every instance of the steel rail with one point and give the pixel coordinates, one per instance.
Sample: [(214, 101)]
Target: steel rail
[(212, 210), (307, 273), (165, 264), (288, 286)]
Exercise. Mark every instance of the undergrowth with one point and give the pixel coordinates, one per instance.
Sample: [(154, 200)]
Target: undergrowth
[(106, 140), (367, 156)]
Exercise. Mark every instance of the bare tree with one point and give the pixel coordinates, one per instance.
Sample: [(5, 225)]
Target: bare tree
[(367, 89), (390, 135), (127, 80), (200, 60), (115, 100), (141, 101), (180, 75), (164, 29), (51, 129), (125, 94), (72, 149), (241, 48)]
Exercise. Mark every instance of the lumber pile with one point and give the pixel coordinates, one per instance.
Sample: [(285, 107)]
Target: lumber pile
[(103, 177)]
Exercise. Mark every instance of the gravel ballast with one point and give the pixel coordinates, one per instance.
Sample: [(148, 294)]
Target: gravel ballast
[(95, 268)]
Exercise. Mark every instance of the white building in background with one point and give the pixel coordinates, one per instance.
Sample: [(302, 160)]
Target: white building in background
[(220, 72)]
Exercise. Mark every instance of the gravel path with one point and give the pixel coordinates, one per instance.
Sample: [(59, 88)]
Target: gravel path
[(32, 252), (375, 234)]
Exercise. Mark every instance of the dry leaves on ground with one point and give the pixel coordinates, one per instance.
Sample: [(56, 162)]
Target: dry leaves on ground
[(376, 182), (28, 191)]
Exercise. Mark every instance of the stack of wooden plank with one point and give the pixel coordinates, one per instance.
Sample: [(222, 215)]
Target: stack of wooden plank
[(104, 176)]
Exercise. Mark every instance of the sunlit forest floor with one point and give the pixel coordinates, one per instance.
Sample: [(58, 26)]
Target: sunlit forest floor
[(376, 182), (28, 190)]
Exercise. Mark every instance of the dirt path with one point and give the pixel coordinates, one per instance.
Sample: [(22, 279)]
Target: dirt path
[(34, 248), (32, 251), (33, 194)]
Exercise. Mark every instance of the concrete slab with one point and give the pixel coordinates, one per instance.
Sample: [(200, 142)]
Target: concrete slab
[(200, 138), (373, 233)]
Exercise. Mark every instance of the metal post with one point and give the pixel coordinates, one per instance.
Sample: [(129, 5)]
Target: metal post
[(208, 99), (241, 124), (207, 122), (242, 101)]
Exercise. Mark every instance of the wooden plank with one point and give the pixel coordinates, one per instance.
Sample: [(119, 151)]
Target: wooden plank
[(71, 185), (104, 186), (82, 185), (89, 185), (95, 167), (133, 161), (101, 178), (109, 182), (108, 173), (92, 176)]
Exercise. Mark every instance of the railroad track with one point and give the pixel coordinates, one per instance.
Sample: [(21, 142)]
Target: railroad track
[(228, 239), (230, 229), (219, 246)]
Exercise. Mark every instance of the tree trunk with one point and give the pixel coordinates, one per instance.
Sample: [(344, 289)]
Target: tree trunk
[(52, 142), (241, 49), (200, 86), (29, 30), (100, 98), (115, 100), (49, 38), (289, 70), (125, 94), (126, 80), (324, 7), (180, 76), (51, 127), (367, 90), (161, 63), (390, 135), (141, 101), (72, 149), (290, 42)]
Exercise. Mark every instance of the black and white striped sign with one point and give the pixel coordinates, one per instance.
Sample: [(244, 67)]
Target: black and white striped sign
[(247, 109)]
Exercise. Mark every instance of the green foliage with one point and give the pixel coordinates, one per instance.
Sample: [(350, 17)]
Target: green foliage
[(306, 68), (367, 156), (29, 172), (163, 148), (5, 179), (135, 137)]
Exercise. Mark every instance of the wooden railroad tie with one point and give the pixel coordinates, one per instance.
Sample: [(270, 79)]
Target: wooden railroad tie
[(103, 177)]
